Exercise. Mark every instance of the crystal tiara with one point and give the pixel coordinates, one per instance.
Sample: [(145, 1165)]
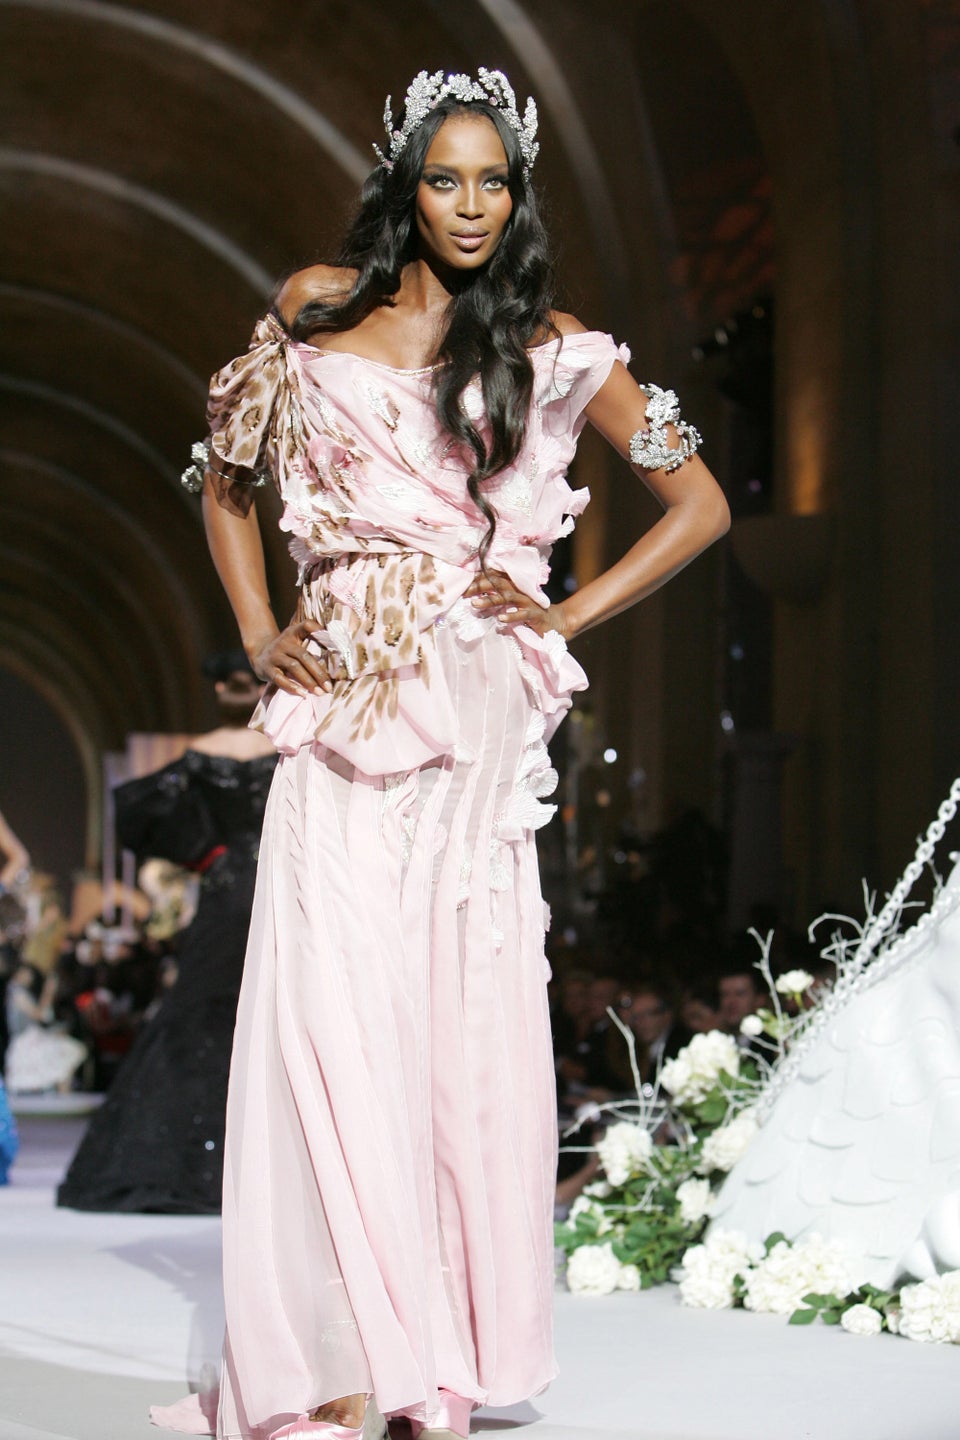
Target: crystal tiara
[(425, 93)]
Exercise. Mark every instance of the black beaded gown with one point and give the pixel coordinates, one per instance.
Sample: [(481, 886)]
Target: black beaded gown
[(156, 1143)]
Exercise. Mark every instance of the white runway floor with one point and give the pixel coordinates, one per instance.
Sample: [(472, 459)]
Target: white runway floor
[(102, 1314)]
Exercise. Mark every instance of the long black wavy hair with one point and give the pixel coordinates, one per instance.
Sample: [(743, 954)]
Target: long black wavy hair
[(491, 319)]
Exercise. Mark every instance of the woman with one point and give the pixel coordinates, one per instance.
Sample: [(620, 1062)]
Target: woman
[(156, 1143), (14, 855), (391, 1126)]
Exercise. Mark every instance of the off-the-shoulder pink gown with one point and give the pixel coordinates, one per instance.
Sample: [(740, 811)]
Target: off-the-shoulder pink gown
[(391, 1127)]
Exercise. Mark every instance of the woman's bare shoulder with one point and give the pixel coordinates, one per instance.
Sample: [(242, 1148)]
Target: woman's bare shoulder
[(567, 324), (316, 282)]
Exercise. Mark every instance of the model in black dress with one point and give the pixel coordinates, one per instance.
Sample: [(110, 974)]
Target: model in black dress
[(156, 1143)]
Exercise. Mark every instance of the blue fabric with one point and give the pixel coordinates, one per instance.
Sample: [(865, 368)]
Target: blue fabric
[(9, 1139)]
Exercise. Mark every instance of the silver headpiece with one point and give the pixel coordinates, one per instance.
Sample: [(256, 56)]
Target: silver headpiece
[(425, 93)]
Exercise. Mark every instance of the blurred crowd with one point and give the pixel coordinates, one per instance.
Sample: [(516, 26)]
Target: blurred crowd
[(653, 966), (73, 1001)]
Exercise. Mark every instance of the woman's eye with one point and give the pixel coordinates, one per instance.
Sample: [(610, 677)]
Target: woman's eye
[(496, 182), (440, 182)]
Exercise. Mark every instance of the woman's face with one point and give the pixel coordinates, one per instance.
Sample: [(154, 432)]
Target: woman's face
[(463, 203)]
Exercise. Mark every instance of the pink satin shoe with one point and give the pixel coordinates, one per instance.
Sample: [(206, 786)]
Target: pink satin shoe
[(303, 1428), (452, 1421)]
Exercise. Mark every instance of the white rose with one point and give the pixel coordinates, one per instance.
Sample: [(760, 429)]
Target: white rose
[(828, 1266), (778, 1283), (624, 1151), (734, 1247), (728, 1144), (794, 982), (893, 1322), (584, 1206), (696, 1200), (862, 1320), (593, 1270), (695, 1071), (629, 1278), (751, 1025), (599, 1189), (709, 1270), (676, 1075), (705, 1282), (930, 1311)]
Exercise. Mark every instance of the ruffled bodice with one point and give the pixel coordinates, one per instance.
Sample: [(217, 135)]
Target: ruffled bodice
[(385, 533)]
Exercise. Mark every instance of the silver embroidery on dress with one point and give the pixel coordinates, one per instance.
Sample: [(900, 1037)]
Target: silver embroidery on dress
[(382, 406)]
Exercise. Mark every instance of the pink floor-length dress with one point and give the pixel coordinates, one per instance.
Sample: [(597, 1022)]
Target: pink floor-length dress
[(391, 1127)]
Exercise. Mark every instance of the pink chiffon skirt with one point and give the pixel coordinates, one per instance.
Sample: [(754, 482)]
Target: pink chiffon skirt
[(391, 1126)]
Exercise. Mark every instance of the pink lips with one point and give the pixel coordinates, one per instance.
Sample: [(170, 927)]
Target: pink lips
[(470, 239)]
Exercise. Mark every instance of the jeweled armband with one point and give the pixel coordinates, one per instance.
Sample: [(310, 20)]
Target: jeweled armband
[(192, 477), (650, 448)]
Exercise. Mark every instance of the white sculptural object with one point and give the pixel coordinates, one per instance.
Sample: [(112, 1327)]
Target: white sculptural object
[(861, 1132)]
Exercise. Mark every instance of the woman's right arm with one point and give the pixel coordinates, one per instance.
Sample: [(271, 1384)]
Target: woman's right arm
[(233, 535)]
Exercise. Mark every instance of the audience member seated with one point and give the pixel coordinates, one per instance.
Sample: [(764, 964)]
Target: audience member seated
[(741, 992), (699, 1009), (652, 1016), (593, 1070), (569, 1016)]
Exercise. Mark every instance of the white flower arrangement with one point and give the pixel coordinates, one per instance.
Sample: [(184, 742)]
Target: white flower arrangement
[(695, 1198), (777, 1284), (794, 982), (710, 1270), (624, 1150), (813, 1280), (657, 1194), (700, 1067), (729, 1143), (862, 1320), (584, 1206), (664, 1152), (595, 1270), (930, 1311)]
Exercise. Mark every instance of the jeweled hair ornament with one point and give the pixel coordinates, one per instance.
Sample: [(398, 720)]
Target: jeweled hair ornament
[(425, 93)]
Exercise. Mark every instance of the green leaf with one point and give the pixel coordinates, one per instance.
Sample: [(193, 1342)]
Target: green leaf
[(774, 1239), (871, 1295), (831, 1316), (803, 1317), (712, 1111)]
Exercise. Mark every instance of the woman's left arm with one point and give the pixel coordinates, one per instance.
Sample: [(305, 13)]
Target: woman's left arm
[(694, 506), (15, 852), (695, 514)]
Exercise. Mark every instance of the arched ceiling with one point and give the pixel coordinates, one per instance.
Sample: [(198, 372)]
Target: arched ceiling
[(162, 163), (158, 169)]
